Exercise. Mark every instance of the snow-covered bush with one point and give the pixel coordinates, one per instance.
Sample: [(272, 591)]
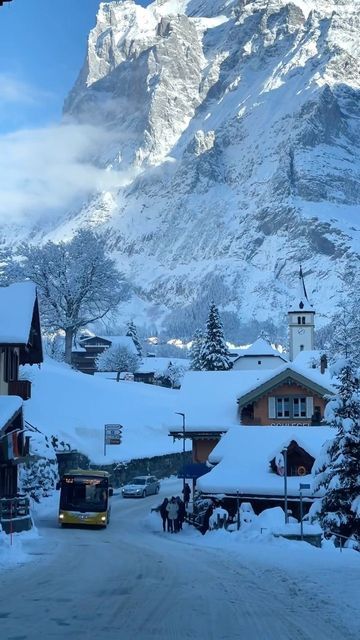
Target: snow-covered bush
[(117, 359), (337, 469), (171, 376), (38, 476)]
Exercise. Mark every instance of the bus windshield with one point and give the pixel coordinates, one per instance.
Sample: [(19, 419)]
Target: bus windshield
[(81, 493)]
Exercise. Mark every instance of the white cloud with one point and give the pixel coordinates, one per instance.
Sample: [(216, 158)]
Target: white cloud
[(15, 91), (43, 170)]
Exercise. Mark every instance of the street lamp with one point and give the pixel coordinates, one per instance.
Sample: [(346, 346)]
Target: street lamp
[(284, 452), (183, 451)]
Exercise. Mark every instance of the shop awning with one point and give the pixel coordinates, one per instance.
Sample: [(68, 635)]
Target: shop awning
[(193, 471)]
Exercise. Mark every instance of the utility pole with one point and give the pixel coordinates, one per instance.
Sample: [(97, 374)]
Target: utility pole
[(284, 452), (183, 451)]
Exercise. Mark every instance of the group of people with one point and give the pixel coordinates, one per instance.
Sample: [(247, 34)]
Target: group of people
[(173, 511)]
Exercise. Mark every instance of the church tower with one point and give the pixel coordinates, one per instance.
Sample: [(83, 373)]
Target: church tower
[(301, 319)]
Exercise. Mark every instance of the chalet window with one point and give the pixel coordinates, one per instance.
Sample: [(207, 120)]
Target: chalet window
[(303, 320), (11, 365), (293, 407), (282, 407), (259, 361), (299, 407), (299, 320)]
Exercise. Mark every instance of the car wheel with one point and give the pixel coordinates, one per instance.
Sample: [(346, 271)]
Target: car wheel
[(144, 493)]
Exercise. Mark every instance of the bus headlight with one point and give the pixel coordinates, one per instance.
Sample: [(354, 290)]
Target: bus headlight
[(103, 518), (61, 516)]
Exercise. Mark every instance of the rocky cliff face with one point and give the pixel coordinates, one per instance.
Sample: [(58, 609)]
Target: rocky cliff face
[(239, 123)]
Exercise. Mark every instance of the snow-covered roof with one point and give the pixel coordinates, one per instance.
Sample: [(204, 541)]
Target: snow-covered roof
[(243, 455), (260, 348), (121, 341), (312, 376), (150, 365), (17, 307), (301, 301), (209, 398), (9, 406)]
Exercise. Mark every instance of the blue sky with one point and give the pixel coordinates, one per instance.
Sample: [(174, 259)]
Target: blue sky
[(42, 48)]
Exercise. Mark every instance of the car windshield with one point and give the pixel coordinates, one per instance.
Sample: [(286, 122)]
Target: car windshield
[(139, 481)]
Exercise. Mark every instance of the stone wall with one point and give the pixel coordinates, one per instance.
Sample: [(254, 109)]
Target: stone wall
[(121, 473)]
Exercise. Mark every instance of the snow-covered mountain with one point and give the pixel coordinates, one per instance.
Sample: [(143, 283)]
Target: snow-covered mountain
[(236, 124)]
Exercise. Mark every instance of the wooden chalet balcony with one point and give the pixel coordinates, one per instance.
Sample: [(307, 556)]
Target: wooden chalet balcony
[(20, 388)]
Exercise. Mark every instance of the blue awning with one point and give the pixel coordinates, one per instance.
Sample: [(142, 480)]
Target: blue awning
[(193, 471)]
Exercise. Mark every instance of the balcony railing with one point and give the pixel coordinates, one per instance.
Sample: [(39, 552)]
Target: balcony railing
[(20, 388)]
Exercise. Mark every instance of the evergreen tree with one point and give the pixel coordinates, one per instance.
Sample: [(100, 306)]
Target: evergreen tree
[(195, 351), (132, 333), (338, 468), (215, 355), (171, 376), (39, 475)]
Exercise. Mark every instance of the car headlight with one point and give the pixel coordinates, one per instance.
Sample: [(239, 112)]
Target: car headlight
[(103, 518), (61, 516)]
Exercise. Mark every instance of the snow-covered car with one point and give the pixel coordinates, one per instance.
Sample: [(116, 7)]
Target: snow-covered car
[(140, 487)]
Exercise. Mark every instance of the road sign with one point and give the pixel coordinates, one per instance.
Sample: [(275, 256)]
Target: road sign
[(112, 434), (304, 486)]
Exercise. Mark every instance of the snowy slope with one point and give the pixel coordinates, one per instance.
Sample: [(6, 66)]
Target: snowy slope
[(74, 407), (236, 124)]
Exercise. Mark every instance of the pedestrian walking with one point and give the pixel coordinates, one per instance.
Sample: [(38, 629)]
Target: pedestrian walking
[(181, 513), (186, 494), (172, 509), (164, 514)]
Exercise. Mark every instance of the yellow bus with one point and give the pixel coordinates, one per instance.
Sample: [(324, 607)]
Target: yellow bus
[(84, 498)]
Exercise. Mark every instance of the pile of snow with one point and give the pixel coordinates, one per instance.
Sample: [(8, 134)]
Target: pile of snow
[(74, 407)]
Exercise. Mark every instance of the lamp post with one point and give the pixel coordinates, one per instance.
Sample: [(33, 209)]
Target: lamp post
[(284, 452), (183, 451)]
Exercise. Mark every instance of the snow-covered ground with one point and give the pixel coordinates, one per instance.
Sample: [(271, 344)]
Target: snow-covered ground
[(75, 407), (134, 581)]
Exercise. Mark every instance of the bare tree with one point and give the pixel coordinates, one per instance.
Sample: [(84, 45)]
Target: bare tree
[(78, 282), (118, 359)]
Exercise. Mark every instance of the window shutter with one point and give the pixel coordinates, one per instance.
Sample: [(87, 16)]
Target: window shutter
[(309, 406), (271, 406)]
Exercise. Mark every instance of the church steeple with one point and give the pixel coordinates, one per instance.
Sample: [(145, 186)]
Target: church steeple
[(301, 318)]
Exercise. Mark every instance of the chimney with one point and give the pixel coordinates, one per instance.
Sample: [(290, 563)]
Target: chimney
[(323, 363)]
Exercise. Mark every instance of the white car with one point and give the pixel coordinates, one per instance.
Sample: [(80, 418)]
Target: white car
[(140, 487)]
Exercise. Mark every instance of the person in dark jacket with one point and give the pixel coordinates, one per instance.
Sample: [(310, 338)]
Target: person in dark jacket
[(181, 514), (164, 514), (186, 491), (208, 513)]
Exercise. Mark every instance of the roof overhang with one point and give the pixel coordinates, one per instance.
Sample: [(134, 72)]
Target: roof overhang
[(197, 435), (287, 375)]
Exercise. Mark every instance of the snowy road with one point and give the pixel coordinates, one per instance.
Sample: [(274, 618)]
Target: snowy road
[(132, 581)]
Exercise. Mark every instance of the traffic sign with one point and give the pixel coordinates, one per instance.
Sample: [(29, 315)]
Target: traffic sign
[(304, 486), (112, 434)]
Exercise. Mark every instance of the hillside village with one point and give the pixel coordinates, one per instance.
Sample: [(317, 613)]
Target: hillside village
[(234, 434)]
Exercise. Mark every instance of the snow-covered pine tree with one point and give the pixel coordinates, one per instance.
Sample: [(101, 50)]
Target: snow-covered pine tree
[(337, 470), (39, 476), (132, 333), (195, 351), (171, 376), (215, 355)]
